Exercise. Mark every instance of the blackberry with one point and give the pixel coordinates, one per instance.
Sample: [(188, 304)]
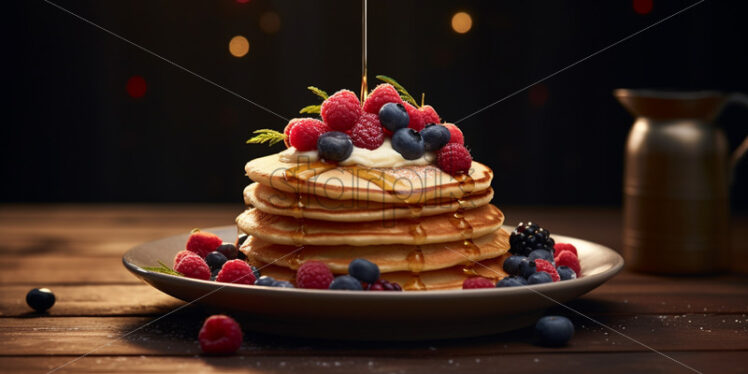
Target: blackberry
[(529, 237)]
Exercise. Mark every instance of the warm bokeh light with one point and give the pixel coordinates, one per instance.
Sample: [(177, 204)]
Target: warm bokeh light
[(239, 46), (242, 1), (642, 6), (136, 86), (462, 22), (270, 22)]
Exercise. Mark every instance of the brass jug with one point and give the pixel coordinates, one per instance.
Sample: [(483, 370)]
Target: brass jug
[(676, 182)]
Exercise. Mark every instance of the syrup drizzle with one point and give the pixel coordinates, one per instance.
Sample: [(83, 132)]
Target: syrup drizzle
[(415, 260), (418, 233), (296, 259), (415, 283), (385, 181)]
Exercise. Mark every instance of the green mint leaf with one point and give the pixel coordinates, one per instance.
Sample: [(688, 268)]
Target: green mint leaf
[(318, 92), (271, 137), (163, 269), (403, 92), (311, 109)]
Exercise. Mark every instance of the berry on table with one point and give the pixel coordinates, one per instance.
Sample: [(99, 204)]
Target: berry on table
[(229, 250), (340, 111), (334, 146), (539, 277), (384, 285), (314, 274), (566, 273), (193, 267), (202, 243), (416, 121), (529, 237), (408, 143), (477, 282), (382, 94), (181, 255), (367, 132), (215, 260), (511, 264), (393, 117), (40, 299), (434, 137), (545, 266), (220, 334), (454, 159), (265, 281), (236, 271), (346, 282), (429, 114), (364, 270), (560, 247), (567, 258), (554, 331), (542, 254), (305, 132), (512, 281), (455, 133)]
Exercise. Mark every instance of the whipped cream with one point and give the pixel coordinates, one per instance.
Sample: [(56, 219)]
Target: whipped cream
[(383, 157)]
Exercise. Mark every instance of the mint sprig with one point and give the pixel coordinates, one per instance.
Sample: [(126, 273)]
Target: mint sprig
[(318, 92), (311, 109), (404, 94), (271, 137), (163, 269)]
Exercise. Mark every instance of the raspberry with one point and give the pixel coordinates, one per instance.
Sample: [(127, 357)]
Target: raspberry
[(193, 267), (220, 334), (341, 110), (477, 282), (203, 243), (236, 271), (181, 255), (455, 134), (429, 115), (367, 132), (568, 258), (543, 265), (384, 285), (416, 119), (287, 131), (314, 274), (560, 247), (382, 94), (454, 159), (305, 132)]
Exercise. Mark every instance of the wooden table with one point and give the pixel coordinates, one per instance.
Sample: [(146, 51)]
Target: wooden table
[(76, 251)]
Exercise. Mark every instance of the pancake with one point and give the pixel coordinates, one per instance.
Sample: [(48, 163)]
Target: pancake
[(442, 279), (389, 258), (442, 228), (409, 184), (270, 200)]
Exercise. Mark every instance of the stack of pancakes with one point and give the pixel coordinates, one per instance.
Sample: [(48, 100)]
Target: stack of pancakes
[(424, 228)]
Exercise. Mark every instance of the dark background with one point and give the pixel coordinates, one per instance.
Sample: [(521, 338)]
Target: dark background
[(72, 133)]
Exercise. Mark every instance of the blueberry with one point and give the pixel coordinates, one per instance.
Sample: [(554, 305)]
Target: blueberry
[(334, 146), (434, 137), (346, 282), (240, 240), (283, 284), (526, 267), (511, 264), (566, 273), (265, 281), (228, 250), (554, 331), (393, 116), (408, 143), (539, 277), (256, 272), (512, 281), (215, 260), (40, 299), (364, 270), (541, 254)]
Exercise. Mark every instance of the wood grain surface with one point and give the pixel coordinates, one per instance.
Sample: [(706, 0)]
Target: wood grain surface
[(117, 321)]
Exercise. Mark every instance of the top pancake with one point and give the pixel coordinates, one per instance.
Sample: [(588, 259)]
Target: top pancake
[(408, 184)]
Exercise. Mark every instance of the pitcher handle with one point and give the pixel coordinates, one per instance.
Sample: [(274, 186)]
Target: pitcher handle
[(739, 153)]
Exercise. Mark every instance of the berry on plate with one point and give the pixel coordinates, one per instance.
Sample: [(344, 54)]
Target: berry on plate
[(512, 281), (384, 285), (367, 132), (382, 94), (455, 133), (182, 254), (314, 274), (202, 243), (539, 277), (240, 240), (565, 273), (477, 282), (567, 258), (193, 267), (545, 266), (305, 132), (529, 237), (454, 159), (511, 264), (527, 267), (219, 335), (215, 260), (554, 331), (283, 284), (40, 299), (434, 137), (265, 281), (408, 143), (393, 116), (346, 282), (416, 118), (340, 111), (229, 250), (364, 270), (541, 253), (334, 146), (560, 247), (236, 271)]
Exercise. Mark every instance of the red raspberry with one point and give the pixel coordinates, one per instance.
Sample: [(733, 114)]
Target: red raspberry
[(416, 119), (193, 267), (543, 265), (305, 132), (429, 115), (287, 131), (382, 94), (341, 110), (203, 243), (367, 132), (454, 159), (181, 255), (568, 258), (314, 274), (455, 134), (477, 282), (236, 271), (220, 334), (384, 285), (560, 247)]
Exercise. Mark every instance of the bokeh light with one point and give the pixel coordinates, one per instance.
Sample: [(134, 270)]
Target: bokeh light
[(642, 6), (136, 86), (462, 22), (270, 22), (239, 46)]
